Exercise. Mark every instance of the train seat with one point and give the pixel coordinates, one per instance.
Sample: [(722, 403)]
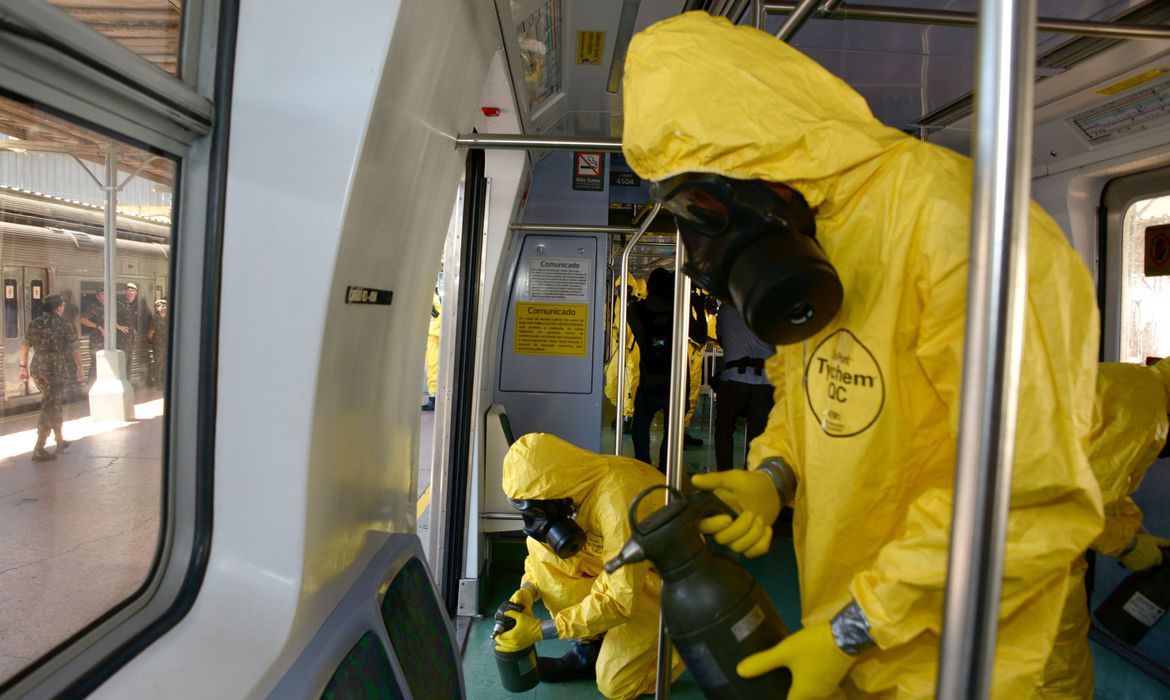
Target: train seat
[(388, 638)]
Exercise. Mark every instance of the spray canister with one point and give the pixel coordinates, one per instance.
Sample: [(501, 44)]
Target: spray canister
[(1137, 604), (518, 670), (715, 612)]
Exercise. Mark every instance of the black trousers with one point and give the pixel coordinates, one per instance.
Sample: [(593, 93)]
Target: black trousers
[(648, 401), (753, 401)]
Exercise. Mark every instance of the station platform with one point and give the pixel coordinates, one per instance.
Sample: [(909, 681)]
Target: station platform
[(78, 534)]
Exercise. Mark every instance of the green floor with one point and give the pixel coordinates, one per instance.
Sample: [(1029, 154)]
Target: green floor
[(1116, 679)]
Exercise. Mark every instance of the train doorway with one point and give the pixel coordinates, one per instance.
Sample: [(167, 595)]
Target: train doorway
[(24, 291)]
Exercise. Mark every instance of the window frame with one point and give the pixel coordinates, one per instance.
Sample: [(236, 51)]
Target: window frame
[(66, 67), (1118, 195)]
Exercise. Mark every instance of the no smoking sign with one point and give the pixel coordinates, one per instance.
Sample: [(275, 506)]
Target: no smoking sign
[(588, 171), (1157, 251)]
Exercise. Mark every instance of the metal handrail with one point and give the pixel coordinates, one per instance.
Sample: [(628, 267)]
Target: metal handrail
[(996, 295), (573, 228), (539, 142), (675, 430), (885, 13), (621, 356), (800, 14)]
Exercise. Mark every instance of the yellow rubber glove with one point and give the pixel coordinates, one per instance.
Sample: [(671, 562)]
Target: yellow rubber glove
[(524, 597), (753, 495), (526, 633), (1146, 552), (818, 666)]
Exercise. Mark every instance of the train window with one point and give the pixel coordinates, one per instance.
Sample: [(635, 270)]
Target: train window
[(85, 403), (149, 28), (1145, 280)]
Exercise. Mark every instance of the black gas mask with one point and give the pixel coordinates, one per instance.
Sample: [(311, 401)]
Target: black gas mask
[(749, 246), (551, 522)]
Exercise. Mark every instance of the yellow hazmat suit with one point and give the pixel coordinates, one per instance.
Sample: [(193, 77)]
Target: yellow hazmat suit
[(867, 410), (632, 355), (583, 600), (433, 344), (694, 378), (1129, 429)]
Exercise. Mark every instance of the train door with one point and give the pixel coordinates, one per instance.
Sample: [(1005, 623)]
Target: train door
[(160, 287), (1135, 313), (24, 292)]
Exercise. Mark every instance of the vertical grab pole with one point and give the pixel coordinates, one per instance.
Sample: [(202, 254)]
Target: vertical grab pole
[(621, 351), (677, 406), (996, 293)]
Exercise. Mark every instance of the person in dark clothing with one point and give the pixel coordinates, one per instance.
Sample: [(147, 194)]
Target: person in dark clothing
[(54, 344), (156, 335), (130, 316), (651, 321), (743, 389)]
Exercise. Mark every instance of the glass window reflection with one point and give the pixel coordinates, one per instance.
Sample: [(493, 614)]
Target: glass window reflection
[(83, 408)]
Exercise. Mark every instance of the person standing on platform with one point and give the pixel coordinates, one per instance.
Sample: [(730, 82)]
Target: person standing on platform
[(433, 351), (157, 337), (130, 317), (94, 320), (56, 356), (743, 388)]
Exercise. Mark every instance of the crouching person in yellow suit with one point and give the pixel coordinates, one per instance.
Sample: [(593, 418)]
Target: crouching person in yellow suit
[(575, 505), (1129, 429)]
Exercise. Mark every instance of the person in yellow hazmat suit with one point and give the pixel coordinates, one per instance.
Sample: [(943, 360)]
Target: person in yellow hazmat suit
[(698, 336), (845, 243), (433, 351), (1129, 429), (575, 505), (632, 355)]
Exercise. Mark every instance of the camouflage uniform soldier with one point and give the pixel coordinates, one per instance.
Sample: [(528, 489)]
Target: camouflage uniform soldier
[(94, 319), (157, 335), (54, 344), (130, 325)]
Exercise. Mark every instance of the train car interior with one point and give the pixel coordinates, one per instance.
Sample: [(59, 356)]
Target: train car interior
[(289, 280)]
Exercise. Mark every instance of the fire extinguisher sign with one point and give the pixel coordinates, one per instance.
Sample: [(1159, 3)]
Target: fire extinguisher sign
[(588, 171), (1157, 251)]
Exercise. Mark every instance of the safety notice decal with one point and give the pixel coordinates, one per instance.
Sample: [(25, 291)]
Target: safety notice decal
[(551, 329), (844, 385)]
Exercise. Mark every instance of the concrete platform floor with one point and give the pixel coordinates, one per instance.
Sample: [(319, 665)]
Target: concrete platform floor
[(78, 535)]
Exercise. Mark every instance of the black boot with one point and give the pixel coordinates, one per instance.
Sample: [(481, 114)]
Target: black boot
[(579, 663), (430, 404)]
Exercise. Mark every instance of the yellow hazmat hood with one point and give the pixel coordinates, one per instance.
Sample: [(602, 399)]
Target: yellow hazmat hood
[(704, 95), (543, 466)]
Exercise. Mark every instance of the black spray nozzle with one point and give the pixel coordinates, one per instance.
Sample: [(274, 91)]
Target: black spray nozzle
[(503, 622), (666, 527)]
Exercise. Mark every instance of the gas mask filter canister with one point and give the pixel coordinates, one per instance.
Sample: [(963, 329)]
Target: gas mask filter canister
[(551, 522), (749, 246)]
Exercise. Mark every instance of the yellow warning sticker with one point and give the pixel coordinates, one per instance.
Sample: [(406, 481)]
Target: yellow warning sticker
[(589, 48), (1131, 81), (551, 329)]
